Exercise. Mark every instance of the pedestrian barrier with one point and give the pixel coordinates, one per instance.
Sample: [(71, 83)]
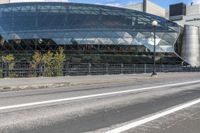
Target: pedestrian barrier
[(24, 69)]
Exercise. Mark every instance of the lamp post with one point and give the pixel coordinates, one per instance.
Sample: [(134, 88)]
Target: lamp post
[(154, 24)]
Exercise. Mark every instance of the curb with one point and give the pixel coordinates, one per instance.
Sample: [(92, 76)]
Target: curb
[(69, 84)]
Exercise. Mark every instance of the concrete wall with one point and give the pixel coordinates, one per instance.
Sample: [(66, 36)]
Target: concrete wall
[(192, 16), (4, 1), (155, 9), (190, 20), (193, 9), (191, 45), (138, 6), (151, 8), (15, 1)]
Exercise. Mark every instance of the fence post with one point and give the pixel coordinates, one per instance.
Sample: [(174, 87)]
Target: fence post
[(89, 68), (2, 64), (134, 68), (106, 68), (122, 68), (6, 71), (145, 68), (69, 68), (41, 69), (66, 68)]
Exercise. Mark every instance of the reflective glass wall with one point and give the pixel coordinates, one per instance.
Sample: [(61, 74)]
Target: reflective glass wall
[(43, 26)]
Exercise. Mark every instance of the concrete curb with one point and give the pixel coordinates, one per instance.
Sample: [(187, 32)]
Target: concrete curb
[(68, 81), (75, 81)]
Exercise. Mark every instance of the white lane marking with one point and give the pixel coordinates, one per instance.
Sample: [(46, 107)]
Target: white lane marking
[(153, 117), (93, 95)]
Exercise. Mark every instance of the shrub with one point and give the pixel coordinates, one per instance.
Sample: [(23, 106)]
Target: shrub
[(58, 60), (9, 60), (1, 73), (53, 63)]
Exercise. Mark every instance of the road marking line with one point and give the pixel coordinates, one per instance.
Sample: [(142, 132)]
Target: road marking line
[(153, 117), (93, 95)]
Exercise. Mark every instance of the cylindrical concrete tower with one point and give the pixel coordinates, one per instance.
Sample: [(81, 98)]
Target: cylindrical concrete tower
[(191, 45)]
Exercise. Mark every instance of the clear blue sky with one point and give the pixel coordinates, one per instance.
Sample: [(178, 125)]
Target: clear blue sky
[(163, 3)]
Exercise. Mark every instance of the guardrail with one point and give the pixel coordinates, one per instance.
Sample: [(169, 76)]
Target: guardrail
[(24, 69)]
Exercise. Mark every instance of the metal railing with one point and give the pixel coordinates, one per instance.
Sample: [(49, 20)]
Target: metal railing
[(24, 69)]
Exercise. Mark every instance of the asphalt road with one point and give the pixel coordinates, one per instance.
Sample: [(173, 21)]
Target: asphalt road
[(185, 121), (101, 108)]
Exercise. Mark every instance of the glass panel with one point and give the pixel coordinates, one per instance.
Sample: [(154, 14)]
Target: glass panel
[(68, 24)]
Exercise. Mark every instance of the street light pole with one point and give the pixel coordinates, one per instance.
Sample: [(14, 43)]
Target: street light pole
[(154, 24)]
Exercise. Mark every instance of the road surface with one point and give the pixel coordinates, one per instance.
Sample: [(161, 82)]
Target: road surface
[(146, 106)]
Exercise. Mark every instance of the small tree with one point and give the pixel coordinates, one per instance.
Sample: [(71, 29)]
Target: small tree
[(53, 62), (59, 58), (37, 62), (47, 59), (9, 60), (1, 72), (36, 59)]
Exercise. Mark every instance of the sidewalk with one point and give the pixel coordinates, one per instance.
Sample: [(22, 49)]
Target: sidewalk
[(53, 82)]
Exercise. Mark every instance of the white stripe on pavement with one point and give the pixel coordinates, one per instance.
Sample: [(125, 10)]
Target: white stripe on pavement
[(153, 117), (93, 95)]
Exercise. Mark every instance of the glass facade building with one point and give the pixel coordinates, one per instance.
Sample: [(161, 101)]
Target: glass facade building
[(86, 32)]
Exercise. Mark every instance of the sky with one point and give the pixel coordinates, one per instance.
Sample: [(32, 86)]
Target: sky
[(163, 3)]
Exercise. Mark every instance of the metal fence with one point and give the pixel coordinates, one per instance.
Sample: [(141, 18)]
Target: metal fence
[(24, 69)]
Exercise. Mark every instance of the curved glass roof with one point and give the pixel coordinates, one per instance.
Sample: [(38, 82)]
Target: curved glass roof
[(86, 24), (123, 17)]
